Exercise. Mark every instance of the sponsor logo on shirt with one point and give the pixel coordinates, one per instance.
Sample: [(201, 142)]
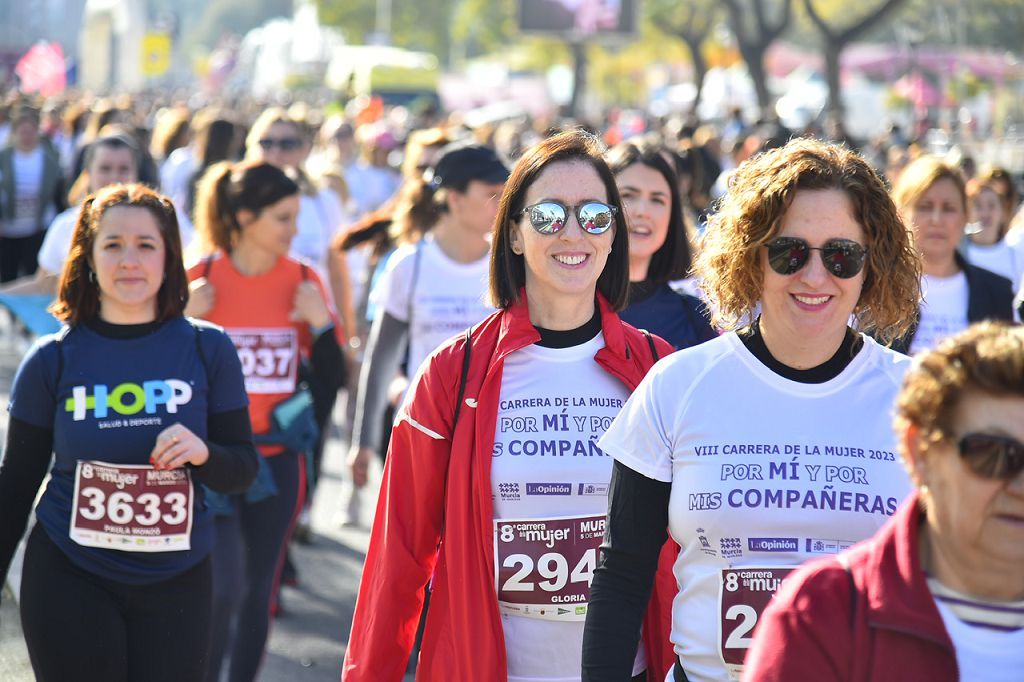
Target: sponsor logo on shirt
[(549, 489), (509, 492), (731, 547), (773, 544), (705, 546), (128, 398), (593, 489), (823, 546)]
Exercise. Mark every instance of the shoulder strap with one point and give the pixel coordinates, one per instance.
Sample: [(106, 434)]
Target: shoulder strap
[(416, 258), (207, 265), (462, 379), (305, 271), (59, 340), (650, 342)]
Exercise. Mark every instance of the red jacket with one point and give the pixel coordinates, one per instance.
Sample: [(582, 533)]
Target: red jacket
[(434, 486), (818, 628)]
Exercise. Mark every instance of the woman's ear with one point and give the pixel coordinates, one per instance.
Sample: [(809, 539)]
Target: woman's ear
[(515, 240), (245, 217), (914, 452)]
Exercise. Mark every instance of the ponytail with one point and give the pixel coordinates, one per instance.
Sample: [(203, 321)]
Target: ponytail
[(420, 205)]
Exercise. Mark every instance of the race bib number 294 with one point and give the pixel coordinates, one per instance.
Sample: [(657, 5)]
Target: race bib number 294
[(544, 567)]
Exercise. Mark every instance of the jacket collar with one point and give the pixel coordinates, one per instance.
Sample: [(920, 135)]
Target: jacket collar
[(897, 591)]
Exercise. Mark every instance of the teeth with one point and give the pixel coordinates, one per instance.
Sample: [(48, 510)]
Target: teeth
[(812, 300), (570, 260)]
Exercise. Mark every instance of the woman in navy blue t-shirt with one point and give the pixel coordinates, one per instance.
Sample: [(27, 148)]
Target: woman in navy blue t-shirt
[(659, 248), (137, 405)]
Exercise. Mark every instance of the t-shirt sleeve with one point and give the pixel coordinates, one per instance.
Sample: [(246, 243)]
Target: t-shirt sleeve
[(638, 437), (392, 291), (33, 393), (54, 249), (227, 385)]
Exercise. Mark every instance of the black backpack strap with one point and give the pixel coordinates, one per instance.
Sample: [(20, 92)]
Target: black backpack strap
[(305, 271), (462, 380), (59, 340), (650, 342), (199, 349), (207, 265)]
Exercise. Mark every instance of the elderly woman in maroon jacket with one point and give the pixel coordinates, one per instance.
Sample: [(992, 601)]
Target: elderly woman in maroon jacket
[(938, 593)]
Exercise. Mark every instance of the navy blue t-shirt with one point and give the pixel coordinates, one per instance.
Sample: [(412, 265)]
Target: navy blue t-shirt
[(111, 400), (680, 319)]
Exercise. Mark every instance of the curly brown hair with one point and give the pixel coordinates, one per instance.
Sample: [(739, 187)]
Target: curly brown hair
[(750, 215), (987, 357)]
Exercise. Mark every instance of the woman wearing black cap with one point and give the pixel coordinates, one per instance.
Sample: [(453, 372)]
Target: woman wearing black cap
[(433, 287)]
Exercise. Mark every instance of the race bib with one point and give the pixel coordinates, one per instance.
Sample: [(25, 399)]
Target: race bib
[(131, 507), (544, 567), (269, 358), (744, 595)]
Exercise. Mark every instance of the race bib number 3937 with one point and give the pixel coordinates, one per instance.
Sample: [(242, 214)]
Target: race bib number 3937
[(745, 594), (269, 358), (544, 567), (131, 508)]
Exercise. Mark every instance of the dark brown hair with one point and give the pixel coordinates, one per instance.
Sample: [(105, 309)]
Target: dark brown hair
[(78, 296), (508, 270)]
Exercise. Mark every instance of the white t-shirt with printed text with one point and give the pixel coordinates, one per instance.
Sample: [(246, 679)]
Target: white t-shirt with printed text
[(943, 310), (446, 298), (1001, 258), (549, 483), (28, 180), (766, 473)]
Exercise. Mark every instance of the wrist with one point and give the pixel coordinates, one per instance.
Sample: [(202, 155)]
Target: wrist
[(317, 329)]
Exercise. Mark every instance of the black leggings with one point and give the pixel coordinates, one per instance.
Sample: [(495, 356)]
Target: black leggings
[(18, 255), (80, 626), (247, 559)]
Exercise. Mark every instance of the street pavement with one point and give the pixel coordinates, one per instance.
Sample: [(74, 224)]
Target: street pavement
[(308, 639)]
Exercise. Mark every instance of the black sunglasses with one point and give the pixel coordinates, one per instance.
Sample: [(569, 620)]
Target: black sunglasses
[(548, 217), (990, 456), (842, 257), (285, 144)]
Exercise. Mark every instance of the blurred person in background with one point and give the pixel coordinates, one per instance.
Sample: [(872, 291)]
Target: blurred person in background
[(938, 593), (172, 131), (433, 286), (985, 244), (659, 247), (932, 198), (371, 179), (31, 194)]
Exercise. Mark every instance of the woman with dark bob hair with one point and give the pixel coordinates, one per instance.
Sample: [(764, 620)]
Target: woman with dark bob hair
[(494, 488), (137, 405), (938, 593), (659, 249), (770, 444)]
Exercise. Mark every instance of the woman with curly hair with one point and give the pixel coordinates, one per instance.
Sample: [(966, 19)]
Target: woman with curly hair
[(772, 443)]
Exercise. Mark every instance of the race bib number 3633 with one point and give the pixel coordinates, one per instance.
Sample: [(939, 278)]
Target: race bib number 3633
[(269, 358), (131, 508), (745, 594), (544, 567)]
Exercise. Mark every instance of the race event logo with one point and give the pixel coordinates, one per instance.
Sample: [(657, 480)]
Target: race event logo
[(128, 399), (549, 489)]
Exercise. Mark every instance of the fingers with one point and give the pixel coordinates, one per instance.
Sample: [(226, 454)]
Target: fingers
[(176, 446)]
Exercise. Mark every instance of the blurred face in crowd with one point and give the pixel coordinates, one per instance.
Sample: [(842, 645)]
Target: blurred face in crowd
[(281, 146), (25, 134), (273, 229), (477, 207), (647, 202), (938, 218), (111, 165), (989, 215)]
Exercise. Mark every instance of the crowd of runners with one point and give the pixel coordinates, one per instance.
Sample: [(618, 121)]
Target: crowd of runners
[(656, 400)]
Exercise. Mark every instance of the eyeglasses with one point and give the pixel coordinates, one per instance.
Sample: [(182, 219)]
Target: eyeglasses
[(285, 144), (995, 457), (842, 257), (548, 217)]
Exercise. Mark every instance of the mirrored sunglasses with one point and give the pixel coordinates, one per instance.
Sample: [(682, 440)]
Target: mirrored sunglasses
[(843, 258), (549, 217)]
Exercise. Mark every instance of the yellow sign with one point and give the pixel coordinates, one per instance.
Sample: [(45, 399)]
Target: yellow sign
[(156, 53)]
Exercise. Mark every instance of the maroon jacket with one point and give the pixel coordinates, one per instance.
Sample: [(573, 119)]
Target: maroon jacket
[(876, 622)]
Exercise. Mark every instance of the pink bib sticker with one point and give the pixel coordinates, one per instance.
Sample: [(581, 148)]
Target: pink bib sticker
[(745, 594), (131, 507), (544, 567), (269, 358)]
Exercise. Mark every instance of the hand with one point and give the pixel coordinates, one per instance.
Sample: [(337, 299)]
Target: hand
[(397, 389), (176, 446), (359, 464), (310, 306), (201, 297)]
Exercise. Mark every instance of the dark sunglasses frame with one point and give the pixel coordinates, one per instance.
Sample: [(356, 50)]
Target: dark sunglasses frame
[(991, 456), (843, 258), (285, 144), (547, 226)]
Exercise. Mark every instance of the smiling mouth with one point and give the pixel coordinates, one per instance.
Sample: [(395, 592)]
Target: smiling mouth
[(571, 260), (641, 231), (812, 300)]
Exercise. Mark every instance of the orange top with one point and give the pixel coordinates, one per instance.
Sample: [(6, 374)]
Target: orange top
[(255, 311)]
